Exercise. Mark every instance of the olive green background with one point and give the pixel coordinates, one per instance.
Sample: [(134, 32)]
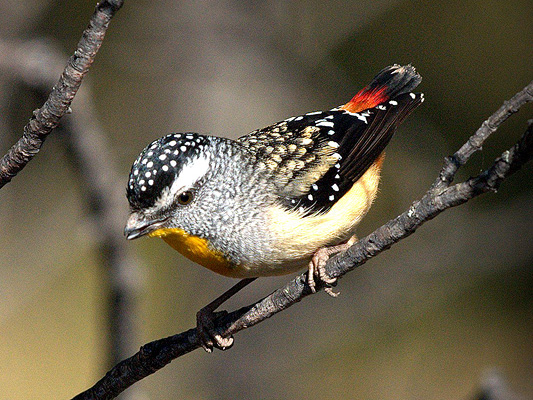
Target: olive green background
[(429, 319)]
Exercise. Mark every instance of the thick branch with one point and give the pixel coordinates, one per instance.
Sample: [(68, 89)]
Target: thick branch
[(45, 119), (157, 354)]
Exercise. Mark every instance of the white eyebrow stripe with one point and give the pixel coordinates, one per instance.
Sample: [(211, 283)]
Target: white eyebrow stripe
[(190, 174)]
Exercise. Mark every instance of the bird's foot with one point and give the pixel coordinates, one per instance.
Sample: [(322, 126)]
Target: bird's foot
[(207, 335), (317, 266)]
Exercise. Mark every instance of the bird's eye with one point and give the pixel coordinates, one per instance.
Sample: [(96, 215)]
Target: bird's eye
[(185, 198)]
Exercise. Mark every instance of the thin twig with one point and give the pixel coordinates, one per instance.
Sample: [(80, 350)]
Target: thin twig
[(475, 142), (46, 118), (155, 355)]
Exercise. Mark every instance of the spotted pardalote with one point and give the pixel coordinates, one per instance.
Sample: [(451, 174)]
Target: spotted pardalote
[(269, 202)]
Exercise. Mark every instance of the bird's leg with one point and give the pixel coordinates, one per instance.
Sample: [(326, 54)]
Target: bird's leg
[(317, 266), (205, 320)]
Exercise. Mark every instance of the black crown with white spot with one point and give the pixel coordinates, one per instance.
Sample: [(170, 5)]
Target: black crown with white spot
[(158, 165)]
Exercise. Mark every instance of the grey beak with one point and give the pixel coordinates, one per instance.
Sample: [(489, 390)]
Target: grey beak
[(138, 226), (133, 233)]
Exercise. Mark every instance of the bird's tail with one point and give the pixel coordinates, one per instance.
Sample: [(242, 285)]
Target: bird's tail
[(389, 83)]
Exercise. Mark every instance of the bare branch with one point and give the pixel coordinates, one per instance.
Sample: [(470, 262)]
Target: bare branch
[(89, 156), (155, 355), (45, 119), (475, 142), (32, 62)]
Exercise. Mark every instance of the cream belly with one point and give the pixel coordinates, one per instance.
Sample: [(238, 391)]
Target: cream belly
[(299, 238)]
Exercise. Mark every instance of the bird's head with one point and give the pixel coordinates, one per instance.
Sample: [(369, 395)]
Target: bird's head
[(167, 184)]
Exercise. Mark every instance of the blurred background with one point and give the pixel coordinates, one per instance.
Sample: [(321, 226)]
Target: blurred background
[(444, 314)]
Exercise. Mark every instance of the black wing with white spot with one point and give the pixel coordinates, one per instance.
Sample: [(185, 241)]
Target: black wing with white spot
[(361, 141), (316, 158)]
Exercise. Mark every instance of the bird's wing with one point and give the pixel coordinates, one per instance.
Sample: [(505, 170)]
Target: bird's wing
[(314, 159)]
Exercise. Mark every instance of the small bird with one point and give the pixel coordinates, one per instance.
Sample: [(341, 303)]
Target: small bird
[(276, 200)]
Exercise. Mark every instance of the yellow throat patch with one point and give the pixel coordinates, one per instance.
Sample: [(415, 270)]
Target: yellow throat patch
[(195, 249)]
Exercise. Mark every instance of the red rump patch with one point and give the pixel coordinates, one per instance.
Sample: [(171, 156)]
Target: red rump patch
[(389, 83), (366, 99)]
